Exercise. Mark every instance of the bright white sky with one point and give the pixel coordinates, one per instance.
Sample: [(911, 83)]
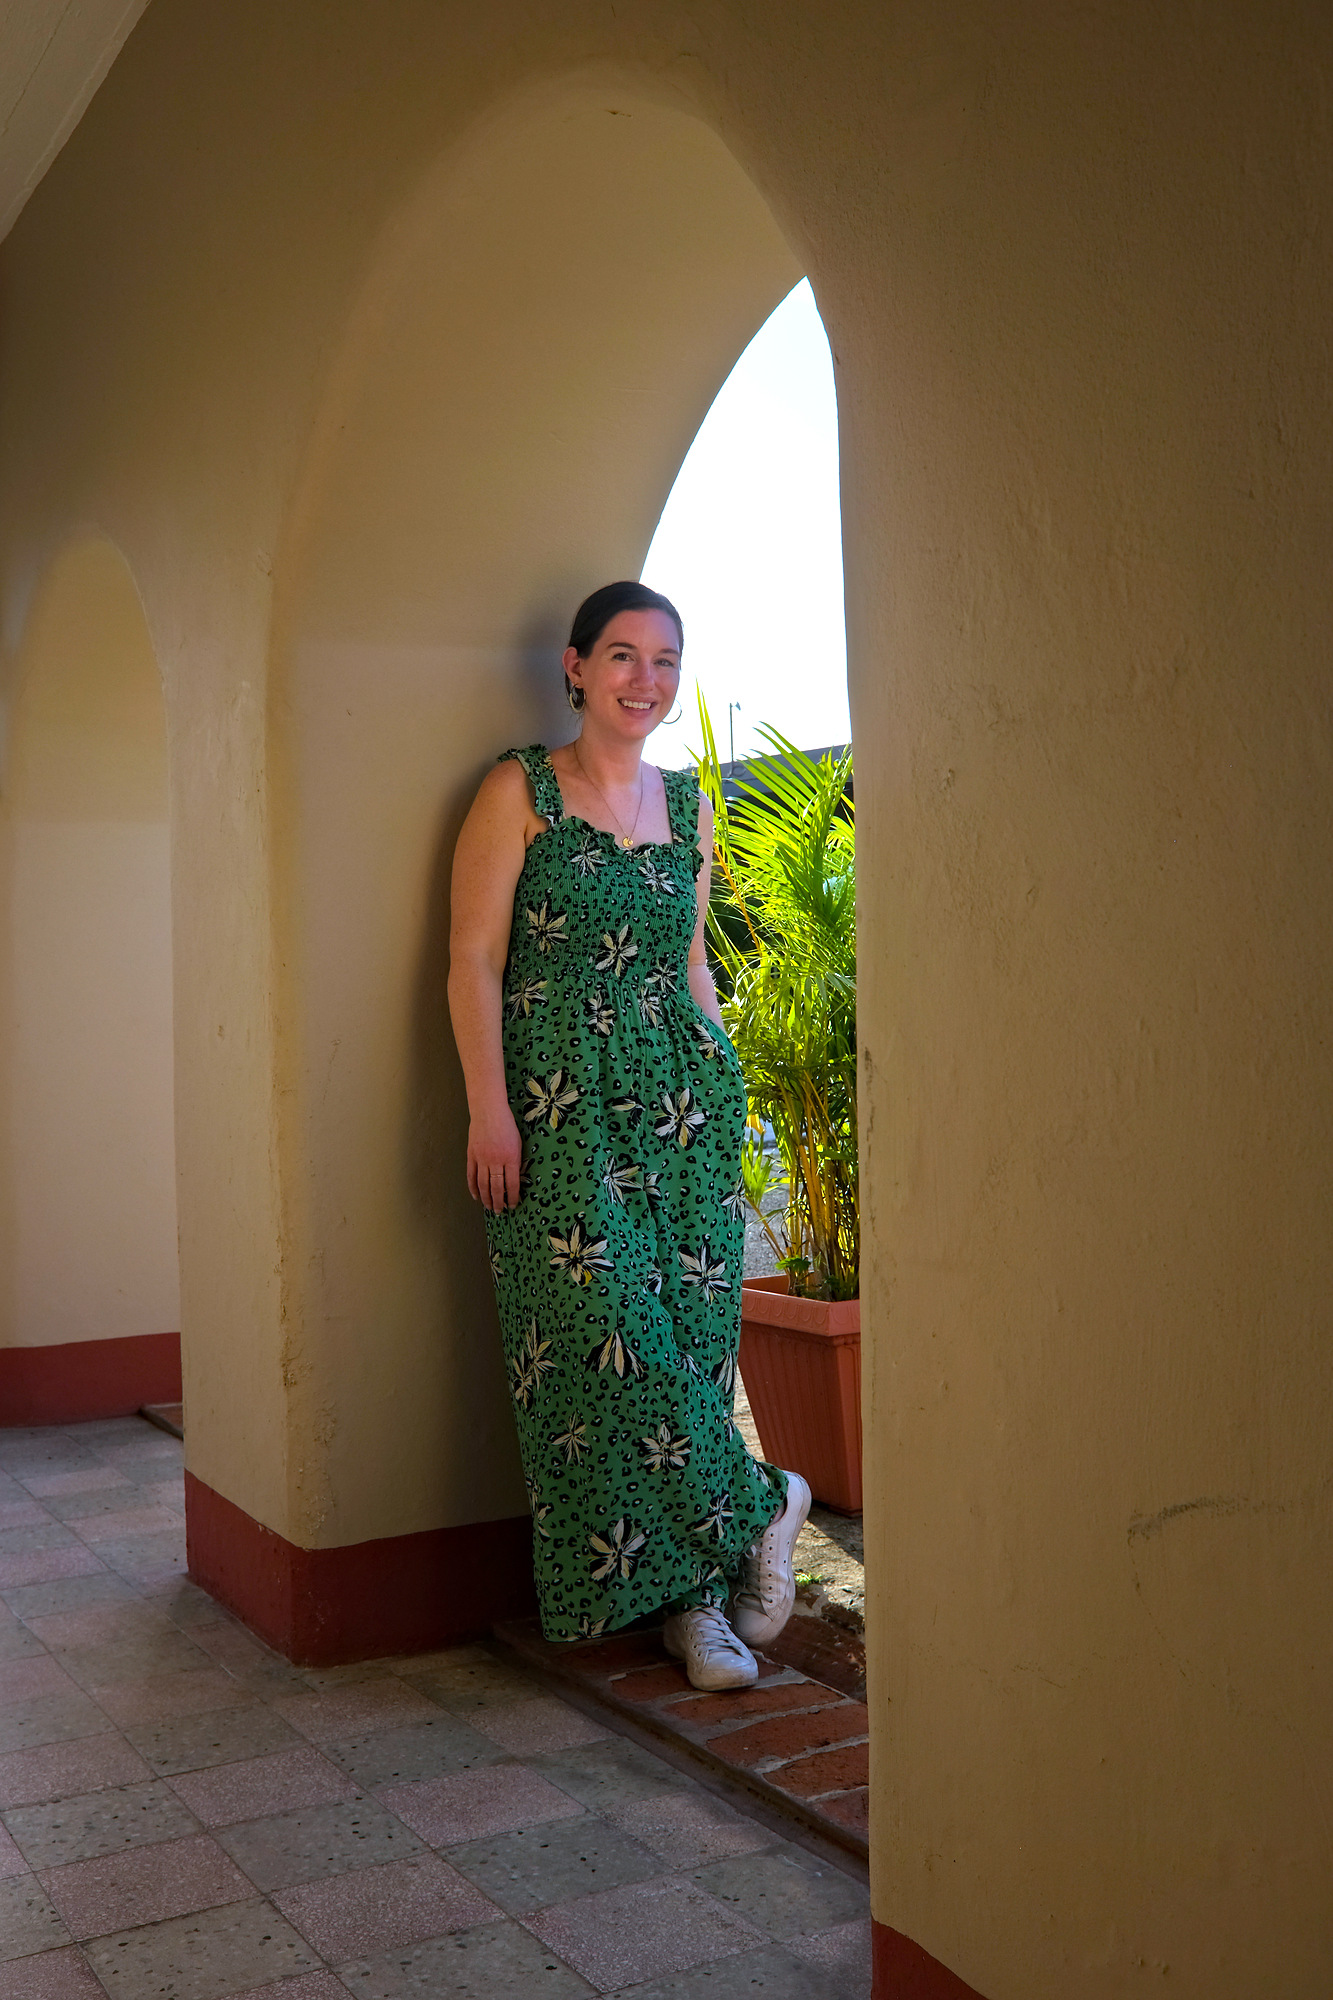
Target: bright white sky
[(749, 548)]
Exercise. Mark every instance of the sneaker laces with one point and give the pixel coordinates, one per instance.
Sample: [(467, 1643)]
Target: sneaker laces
[(714, 1633), (750, 1588)]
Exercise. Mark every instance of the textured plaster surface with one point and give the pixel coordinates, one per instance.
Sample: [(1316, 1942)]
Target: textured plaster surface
[(276, 323)]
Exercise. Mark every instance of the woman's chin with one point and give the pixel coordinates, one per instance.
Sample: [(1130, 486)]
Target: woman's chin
[(632, 725)]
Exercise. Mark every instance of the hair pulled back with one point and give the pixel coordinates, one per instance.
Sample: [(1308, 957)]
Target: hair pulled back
[(596, 612)]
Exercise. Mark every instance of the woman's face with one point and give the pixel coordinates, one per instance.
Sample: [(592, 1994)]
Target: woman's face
[(631, 675)]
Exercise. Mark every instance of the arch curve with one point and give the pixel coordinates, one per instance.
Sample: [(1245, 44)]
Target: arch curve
[(542, 331)]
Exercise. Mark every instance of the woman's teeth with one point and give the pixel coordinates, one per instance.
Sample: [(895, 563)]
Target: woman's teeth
[(635, 704)]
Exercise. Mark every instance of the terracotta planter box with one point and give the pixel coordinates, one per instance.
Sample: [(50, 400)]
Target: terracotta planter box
[(801, 1361)]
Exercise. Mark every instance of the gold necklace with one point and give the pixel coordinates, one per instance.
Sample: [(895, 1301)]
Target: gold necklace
[(626, 839)]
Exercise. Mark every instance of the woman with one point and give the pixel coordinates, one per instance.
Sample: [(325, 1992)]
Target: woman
[(606, 1108)]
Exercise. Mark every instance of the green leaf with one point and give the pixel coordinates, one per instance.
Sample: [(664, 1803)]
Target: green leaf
[(782, 938)]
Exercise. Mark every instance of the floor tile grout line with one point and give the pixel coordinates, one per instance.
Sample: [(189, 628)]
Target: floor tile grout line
[(402, 1669), (766, 1801)]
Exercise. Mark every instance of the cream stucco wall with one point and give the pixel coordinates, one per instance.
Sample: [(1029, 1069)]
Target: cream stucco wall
[(1075, 276), (88, 1177), (445, 523)]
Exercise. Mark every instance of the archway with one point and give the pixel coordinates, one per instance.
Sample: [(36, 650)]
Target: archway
[(532, 354), (91, 1303)]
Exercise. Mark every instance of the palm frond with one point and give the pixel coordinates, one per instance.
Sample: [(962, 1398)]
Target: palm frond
[(782, 932)]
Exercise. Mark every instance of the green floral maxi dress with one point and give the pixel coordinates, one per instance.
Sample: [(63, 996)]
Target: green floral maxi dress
[(618, 1275)]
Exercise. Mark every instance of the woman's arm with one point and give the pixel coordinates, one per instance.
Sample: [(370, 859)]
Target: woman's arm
[(701, 979), (488, 861)]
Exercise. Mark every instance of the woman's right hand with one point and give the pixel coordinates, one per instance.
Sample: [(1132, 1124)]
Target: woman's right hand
[(494, 1160)]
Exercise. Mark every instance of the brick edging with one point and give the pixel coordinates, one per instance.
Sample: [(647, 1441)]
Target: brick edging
[(597, 1674)]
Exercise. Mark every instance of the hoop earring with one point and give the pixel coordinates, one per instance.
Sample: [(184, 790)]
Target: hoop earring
[(676, 717), (570, 696)]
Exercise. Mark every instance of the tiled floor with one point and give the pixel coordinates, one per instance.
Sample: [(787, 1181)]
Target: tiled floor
[(186, 1817), (798, 1743)]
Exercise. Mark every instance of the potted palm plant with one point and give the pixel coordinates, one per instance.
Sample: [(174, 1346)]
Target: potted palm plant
[(782, 938)]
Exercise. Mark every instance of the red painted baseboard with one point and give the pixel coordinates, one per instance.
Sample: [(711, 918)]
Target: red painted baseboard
[(903, 1971), (325, 1607), (82, 1379)]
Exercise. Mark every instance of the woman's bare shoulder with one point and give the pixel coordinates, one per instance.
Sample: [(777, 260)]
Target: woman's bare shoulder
[(506, 779), (506, 791)]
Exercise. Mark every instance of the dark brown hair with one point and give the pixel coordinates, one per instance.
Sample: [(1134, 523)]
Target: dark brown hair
[(596, 612)]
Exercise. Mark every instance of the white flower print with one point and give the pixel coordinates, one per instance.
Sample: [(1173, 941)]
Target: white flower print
[(530, 1364), (612, 1353), (572, 1441), (578, 1253), (540, 1511), (616, 1551), (587, 857), (681, 1117), (550, 1102), (599, 1015), (547, 928), (622, 1179), (614, 1275), (706, 1272), (707, 1046), (716, 1521), (724, 1375), (658, 879), (531, 993), (617, 951), (664, 1449)]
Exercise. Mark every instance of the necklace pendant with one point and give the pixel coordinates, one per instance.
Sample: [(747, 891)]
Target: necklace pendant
[(627, 840)]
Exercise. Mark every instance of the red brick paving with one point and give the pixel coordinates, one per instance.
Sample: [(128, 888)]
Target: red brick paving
[(704, 1708), (824, 1653), (651, 1683), (852, 1809), (790, 1735), (827, 1771), (615, 1656)]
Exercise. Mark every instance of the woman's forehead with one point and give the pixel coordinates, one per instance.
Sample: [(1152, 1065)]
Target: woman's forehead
[(652, 631)]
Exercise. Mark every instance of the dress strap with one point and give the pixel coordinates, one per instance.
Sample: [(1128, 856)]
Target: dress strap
[(682, 796), (536, 761)]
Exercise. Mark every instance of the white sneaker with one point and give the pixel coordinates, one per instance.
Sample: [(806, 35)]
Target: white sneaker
[(714, 1657), (766, 1591)]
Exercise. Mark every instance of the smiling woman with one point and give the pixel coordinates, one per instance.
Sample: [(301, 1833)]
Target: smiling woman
[(606, 1111)]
